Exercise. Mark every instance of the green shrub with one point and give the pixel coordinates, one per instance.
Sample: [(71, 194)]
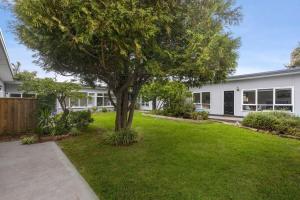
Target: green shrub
[(29, 139), (45, 122), (203, 115), (80, 119), (123, 137), (94, 109), (279, 122), (179, 110), (74, 131), (195, 115), (104, 110), (61, 125)]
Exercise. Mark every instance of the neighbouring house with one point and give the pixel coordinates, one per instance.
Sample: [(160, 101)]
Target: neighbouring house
[(239, 95), (96, 97), (6, 74)]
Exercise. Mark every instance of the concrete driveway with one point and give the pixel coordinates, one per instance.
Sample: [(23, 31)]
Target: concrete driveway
[(39, 172)]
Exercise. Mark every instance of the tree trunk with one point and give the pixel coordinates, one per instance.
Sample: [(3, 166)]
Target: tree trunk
[(124, 111), (154, 104), (121, 111)]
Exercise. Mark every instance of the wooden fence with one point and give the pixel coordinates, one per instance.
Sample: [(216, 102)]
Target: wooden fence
[(17, 115)]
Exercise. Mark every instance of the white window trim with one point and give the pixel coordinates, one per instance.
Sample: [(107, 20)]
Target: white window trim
[(21, 93), (274, 98), (95, 96), (201, 104)]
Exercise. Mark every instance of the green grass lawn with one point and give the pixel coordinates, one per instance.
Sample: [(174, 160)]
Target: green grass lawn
[(180, 160)]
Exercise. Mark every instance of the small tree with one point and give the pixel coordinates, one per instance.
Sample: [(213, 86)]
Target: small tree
[(49, 87), (25, 75), (171, 96), (295, 58)]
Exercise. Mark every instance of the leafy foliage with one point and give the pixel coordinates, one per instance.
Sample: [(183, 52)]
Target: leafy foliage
[(25, 76), (279, 122), (126, 43), (295, 58), (81, 119), (74, 131), (123, 137), (29, 139), (47, 102), (171, 97), (203, 115), (45, 122)]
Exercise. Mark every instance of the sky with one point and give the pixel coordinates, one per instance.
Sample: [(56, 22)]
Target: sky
[(269, 31)]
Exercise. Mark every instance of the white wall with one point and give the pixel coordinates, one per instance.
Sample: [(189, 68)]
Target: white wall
[(88, 90), (217, 92), (2, 90)]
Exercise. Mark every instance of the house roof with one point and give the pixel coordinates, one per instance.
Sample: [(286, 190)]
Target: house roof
[(6, 73), (283, 72)]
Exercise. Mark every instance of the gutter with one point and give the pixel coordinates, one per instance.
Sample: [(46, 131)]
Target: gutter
[(262, 75)]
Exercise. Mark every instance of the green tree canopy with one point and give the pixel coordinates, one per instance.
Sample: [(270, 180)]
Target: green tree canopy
[(25, 75), (50, 87), (168, 94), (295, 57), (126, 43)]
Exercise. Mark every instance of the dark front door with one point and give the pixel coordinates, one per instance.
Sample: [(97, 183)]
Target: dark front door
[(229, 103)]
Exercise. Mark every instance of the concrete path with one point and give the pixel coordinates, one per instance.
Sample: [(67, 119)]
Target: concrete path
[(226, 118), (39, 172)]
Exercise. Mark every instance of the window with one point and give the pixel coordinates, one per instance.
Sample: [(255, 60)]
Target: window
[(268, 99), (83, 102), (202, 99), (91, 99), (74, 102), (100, 99), (265, 99), (15, 95), (28, 95), (106, 100), (196, 97), (283, 96), (249, 97), (206, 100), (283, 99), (103, 99)]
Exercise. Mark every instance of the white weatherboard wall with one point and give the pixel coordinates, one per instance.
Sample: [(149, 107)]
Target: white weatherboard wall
[(2, 89), (217, 92)]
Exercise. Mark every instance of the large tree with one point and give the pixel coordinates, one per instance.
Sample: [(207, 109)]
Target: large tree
[(125, 43)]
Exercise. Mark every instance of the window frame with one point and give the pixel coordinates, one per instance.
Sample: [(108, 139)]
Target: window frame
[(90, 96), (102, 96), (201, 104), (21, 95), (274, 98)]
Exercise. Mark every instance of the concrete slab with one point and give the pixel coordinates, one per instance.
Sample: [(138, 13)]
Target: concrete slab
[(231, 119), (39, 172)]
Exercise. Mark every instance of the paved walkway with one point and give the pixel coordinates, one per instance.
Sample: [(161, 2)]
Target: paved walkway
[(39, 172), (226, 118)]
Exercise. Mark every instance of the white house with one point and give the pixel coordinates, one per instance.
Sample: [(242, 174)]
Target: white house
[(6, 74), (239, 95)]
